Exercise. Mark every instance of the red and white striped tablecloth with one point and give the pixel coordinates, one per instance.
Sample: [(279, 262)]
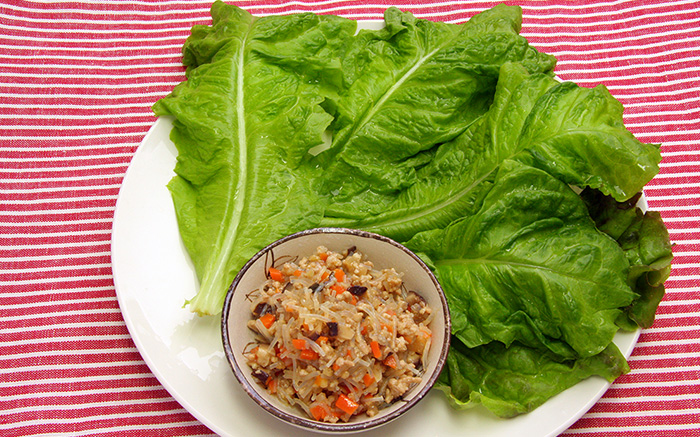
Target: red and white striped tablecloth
[(77, 80)]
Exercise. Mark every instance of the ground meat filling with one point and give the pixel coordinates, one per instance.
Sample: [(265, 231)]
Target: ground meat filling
[(337, 337)]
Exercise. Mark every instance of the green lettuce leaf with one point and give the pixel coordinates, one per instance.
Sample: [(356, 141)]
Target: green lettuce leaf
[(530, 266), (649, 250), (461, 171), (413, 85), (576, 134), (243, 129), (514, 380), (644, 239)]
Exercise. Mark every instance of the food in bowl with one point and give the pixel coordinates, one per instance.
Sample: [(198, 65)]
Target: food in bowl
[(337, 337)]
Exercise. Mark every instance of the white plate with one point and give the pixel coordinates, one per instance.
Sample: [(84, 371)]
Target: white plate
[(154, 276)]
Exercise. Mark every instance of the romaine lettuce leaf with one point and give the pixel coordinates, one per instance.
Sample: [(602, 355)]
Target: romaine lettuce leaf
[(644, 239), (514, 380), (451, 184), (413, 85), (243, 128), (530, 266), (576, 134)]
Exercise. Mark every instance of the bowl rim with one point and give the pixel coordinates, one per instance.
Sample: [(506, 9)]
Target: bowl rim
[(299, 420)]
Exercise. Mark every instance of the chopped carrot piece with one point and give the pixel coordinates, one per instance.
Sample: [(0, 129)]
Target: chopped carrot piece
[(336, 367), (297, 273), (354, 300), (339, 275), (325, 275), (389, 328), (319, 411), (368, 379), (272, 385), (299, 343), (308, 354), (363, 331), (346, 404), (267, 320), (321, 339), (390, 361), (323, 256), (375, 349), (275, 274), (339, 289), (283, 356)]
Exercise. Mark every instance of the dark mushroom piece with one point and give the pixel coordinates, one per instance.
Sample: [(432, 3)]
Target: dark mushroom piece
[(261, 376), (332, 329), (357, 290), (261, 309), (316, 287)]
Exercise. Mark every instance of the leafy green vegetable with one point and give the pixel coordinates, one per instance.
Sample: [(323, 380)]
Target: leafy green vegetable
[(456, 140), (451, 184), (243, 128), (530, 266), (577, 135), (413, 85), (517, 379), (645, 241), (527, 121)]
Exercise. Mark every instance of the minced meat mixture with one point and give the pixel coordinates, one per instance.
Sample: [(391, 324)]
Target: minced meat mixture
[(337, 337)]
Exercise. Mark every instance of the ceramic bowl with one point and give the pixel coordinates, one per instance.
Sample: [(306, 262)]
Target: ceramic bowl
[(384, 253)]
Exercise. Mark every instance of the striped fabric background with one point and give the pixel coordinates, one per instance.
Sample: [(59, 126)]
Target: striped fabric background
[(77, 80)]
